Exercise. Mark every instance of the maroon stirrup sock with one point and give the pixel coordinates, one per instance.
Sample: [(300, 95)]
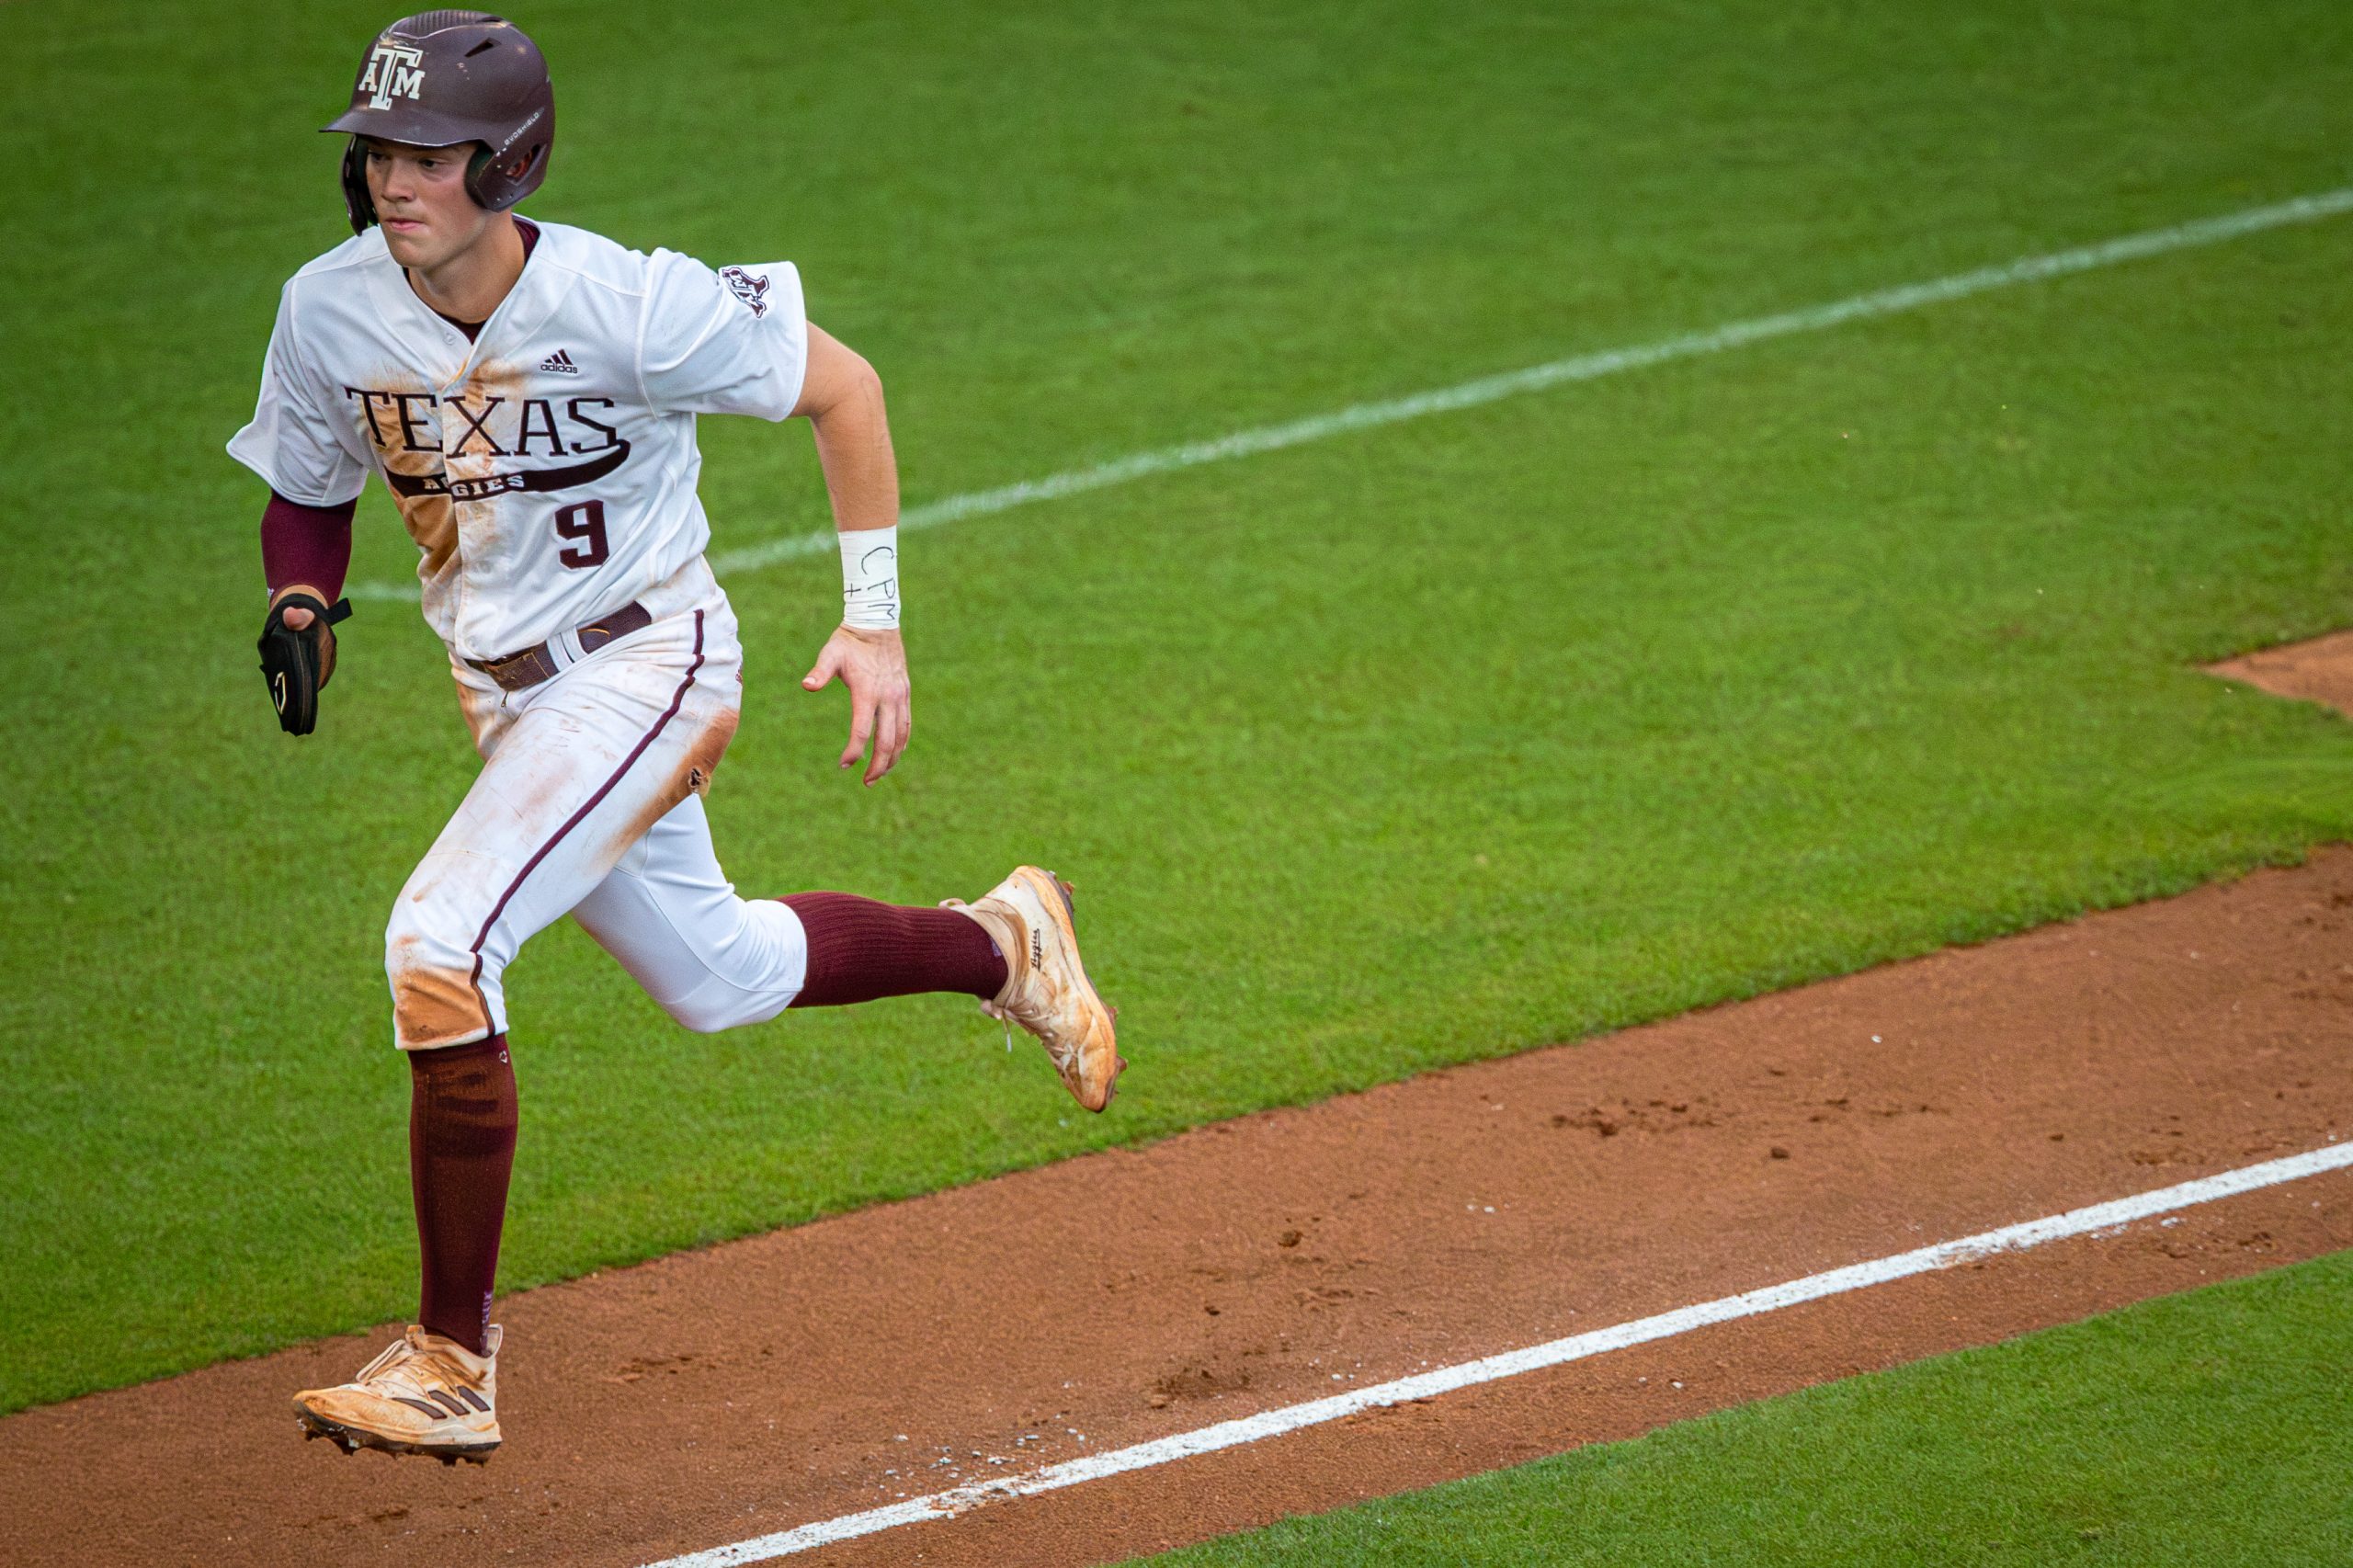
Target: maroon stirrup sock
[(860, 950), (461, 1123)]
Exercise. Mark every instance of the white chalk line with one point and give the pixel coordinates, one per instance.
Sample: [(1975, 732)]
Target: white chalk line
[(1534, 377), (2097, 1218)]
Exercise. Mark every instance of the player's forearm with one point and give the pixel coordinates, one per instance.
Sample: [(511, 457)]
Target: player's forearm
[(853, 435), (854, 447), (842, 398), (308, 547)]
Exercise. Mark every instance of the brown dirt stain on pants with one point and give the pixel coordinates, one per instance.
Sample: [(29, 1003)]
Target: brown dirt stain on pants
[(746, 1388), (692, 774), (433, 1005)]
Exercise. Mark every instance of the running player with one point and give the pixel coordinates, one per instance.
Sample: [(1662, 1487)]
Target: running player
[(528, 392)]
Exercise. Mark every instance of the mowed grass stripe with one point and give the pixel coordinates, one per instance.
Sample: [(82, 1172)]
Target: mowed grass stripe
[(1538, 378)]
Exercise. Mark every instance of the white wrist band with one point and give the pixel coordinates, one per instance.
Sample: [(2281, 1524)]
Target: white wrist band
[(870, 579)]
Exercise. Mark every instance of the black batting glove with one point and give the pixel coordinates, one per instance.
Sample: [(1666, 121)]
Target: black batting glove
[(297, 664)]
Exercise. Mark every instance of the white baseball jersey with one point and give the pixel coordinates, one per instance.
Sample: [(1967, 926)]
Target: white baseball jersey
[(547, 469)]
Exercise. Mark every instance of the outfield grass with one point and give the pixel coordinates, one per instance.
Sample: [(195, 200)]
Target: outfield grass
[(2204, 1428), (1430, 743)]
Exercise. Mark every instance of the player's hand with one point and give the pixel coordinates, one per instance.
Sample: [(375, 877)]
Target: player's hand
[(297, 650), (873, 664), (296, 619)]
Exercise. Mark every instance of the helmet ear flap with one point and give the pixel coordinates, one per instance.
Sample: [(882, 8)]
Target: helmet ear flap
[(356, 203), (478, 166), (495, 188)]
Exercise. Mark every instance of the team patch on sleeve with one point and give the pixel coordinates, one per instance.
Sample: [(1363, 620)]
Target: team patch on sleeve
[(722, 339), (752, 287)]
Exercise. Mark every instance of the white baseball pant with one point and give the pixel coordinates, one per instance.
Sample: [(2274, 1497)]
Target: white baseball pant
[(590, 803)]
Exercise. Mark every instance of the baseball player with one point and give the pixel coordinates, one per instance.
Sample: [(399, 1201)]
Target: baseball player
[(528, 392)]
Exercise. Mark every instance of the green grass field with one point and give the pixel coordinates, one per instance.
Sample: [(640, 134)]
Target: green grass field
[(2204, 1428), (1429, 743)]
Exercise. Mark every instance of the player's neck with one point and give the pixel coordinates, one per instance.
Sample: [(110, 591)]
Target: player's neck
[(469, 284)]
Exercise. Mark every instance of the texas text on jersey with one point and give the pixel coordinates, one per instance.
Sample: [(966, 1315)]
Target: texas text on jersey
[(546, 469)]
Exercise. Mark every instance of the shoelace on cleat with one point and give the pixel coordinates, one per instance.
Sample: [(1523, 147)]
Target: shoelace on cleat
[(435, 1390)]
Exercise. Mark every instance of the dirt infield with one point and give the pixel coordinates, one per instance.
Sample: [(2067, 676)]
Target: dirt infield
[(2318, 671), (712, 1396)]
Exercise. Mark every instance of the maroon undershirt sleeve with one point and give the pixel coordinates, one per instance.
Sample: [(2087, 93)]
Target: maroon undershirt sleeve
[(306, 544)]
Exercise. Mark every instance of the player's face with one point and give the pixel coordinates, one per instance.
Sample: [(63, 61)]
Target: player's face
[(421, 202)]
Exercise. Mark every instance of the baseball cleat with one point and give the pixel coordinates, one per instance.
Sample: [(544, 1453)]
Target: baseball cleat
[(424, 1394), (1046, 989)]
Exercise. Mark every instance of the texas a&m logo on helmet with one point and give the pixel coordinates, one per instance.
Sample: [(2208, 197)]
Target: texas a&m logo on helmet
[(394, 70)]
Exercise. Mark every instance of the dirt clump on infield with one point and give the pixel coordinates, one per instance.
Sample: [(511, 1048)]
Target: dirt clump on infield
[(717, 1396)]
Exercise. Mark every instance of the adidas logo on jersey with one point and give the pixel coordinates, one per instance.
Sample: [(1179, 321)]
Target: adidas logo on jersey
[(560, 363)]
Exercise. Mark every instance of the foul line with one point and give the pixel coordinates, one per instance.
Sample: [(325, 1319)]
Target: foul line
[(1536, 377), (1267, 1424)]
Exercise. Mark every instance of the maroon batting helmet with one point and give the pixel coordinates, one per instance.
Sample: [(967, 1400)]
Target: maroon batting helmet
[(442, 77)]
